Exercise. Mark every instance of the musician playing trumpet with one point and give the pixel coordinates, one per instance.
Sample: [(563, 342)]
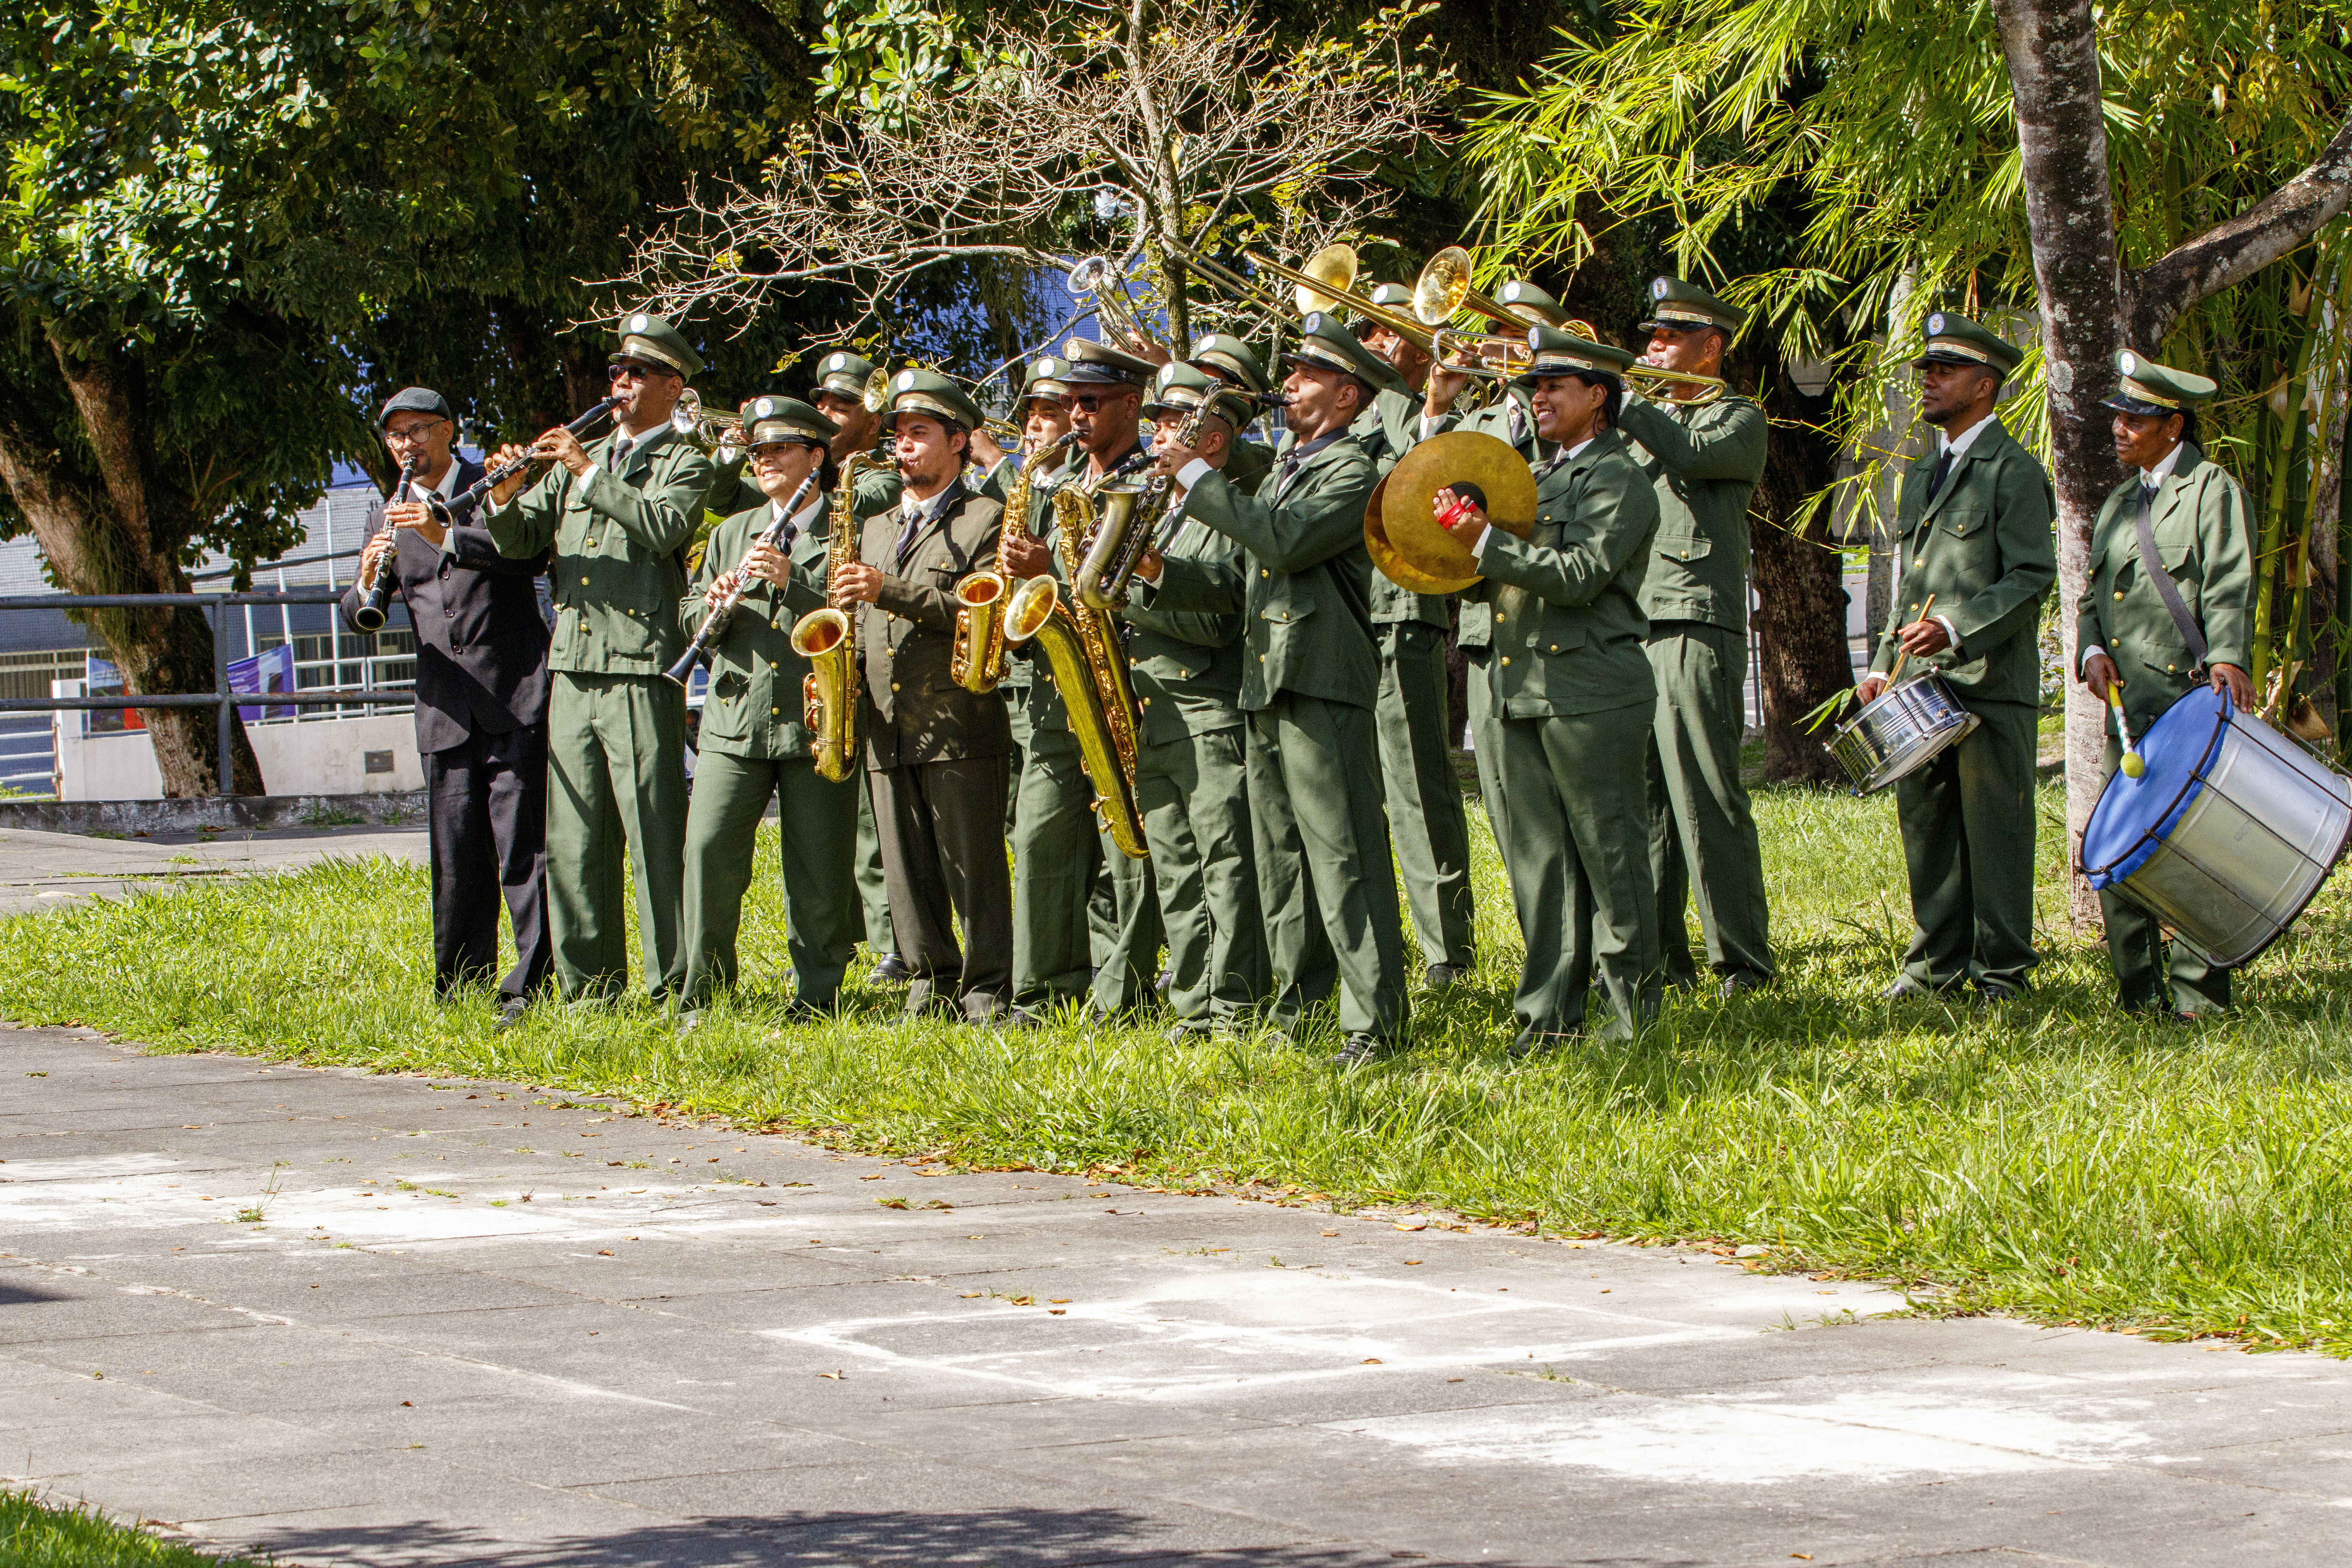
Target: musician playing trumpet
[(2196, 517), (753, 747)]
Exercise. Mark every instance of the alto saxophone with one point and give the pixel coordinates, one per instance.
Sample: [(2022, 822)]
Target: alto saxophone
[(827, 638), (976, 663), (1088, 656)]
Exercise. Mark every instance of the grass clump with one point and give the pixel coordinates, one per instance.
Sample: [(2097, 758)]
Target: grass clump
[(2051, 1158), (33, 1535)]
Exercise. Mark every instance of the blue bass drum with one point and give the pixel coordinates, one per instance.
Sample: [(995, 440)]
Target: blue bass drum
[(2227, 835)]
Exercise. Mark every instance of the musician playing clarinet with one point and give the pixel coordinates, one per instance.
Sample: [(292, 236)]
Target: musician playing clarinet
[(753, 747), (618, 513), (481, 708), (1977, 556), (2156, 651)]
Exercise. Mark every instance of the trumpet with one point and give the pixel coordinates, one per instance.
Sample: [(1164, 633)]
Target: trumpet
[(1099, 277), (720, 435)]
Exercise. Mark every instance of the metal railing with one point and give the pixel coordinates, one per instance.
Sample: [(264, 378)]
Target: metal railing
[(221, 698)]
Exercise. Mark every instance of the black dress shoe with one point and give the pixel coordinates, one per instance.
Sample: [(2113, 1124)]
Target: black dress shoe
[(1908, 990), (510, 1011), (1991, 996), (1358, 1050), (1443, 976), (1530, 1045), (892, 970), (1738, 984)]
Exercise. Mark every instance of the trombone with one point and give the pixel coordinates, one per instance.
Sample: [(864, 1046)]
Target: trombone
[(1327, 282), (1505, 358)]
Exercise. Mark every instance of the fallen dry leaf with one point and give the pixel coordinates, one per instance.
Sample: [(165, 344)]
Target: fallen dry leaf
[(834, 1376), (1412, 1263), (1371, 1361), (605, 1253), (1416, 1223), (1060, 1300), (1803, 1556), (1057, 1312), (1330, 1233)]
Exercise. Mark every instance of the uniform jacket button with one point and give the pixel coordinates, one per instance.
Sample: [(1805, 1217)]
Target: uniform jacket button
[(584, 582), (1506, 658), (2119, 593), (894, 686)]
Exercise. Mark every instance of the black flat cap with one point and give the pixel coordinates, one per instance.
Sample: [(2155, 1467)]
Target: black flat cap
[(414, 400)]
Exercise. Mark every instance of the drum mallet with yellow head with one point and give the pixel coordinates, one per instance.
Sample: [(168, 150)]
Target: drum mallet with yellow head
[(2131, 765)]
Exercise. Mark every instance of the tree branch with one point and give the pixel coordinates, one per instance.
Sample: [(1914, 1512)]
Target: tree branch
[(2235, 249)]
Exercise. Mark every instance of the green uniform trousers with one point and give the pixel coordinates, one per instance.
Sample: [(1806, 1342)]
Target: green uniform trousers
[(1326, 880), (817, 821), (1702, 834), (1968, 840), (1017, 713), (1125, 938), (1577, 850), (873, 886), (2147, 980), (1486, 748), (1425, 817), (943, 826), (615, 808), (1194, 794)]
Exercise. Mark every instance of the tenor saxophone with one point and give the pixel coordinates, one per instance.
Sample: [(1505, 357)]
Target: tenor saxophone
[(827, 638), (976, 663), (1087, 659)]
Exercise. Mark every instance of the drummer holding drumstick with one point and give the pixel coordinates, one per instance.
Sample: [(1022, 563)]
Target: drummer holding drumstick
[(1977, 556), (2158, 648)]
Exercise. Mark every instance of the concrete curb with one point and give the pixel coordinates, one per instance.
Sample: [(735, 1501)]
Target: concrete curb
[(391, 808)]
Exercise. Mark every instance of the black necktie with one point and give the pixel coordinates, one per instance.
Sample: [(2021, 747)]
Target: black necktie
[(2146, 496), (618, 453), (1517, 424), (1943, 471), (906, 535)]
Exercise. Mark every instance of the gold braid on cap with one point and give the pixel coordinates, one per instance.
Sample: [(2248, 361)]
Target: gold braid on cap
[(1697, 318), (1960, 346), (2147, 394)]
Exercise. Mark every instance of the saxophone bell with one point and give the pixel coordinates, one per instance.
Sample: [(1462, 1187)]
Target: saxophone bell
[(1123, 528), (827, 638), (976, 663)]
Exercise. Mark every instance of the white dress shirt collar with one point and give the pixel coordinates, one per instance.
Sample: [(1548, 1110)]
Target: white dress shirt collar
[(2163, 470), (1957, 445)]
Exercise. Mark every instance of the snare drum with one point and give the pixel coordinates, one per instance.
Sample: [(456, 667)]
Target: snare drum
[(2226, 835), (1899, 732)]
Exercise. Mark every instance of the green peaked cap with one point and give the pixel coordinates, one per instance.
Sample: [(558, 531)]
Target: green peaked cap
[(771, 417), (1955, 340), (648, 337), (929, 391), (1680, 307), (2148, 387)]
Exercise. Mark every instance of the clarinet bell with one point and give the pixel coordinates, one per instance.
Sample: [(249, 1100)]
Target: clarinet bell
[(375, 604), (683, 670)]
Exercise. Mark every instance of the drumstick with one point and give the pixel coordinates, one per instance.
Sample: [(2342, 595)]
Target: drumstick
[(2131, 765), (1905, 654)]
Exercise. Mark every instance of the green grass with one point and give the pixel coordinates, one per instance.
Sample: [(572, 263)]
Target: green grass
[(35, 1535), (2054, 1159)]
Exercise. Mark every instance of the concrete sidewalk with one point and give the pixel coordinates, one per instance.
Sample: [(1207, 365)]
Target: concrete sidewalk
[(475, 1324), (43, 871)]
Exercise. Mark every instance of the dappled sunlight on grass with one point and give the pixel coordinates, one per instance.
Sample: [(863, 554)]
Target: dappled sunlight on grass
[(2051, 1157)]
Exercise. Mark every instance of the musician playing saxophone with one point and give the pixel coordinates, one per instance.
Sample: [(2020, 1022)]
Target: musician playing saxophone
[(753, 746), (1081, 907), (1192, 779)]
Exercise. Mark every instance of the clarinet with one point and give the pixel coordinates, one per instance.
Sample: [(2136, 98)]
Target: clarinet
[(375, 604), (714, 625), (467, 502)]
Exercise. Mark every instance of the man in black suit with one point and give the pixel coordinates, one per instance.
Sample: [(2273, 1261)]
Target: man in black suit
[(481, 708)]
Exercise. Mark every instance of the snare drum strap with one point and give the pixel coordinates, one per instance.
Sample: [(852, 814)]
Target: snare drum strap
[(2151, 562)]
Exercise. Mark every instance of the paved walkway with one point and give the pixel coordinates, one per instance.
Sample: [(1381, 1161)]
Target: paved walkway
[(43, 870), (476, 1324)]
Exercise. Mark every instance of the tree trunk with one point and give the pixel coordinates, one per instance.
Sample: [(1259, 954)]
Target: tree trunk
[(120, 530), (2051, 49), (1803, 655)]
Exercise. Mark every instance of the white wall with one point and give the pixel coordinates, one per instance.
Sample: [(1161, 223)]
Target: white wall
[(323, 756)]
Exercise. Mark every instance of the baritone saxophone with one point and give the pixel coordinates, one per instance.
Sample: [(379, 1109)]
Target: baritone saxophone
[(827, 638), (976, 662)]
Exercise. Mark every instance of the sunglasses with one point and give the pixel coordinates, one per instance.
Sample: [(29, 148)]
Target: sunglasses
[(1091, 402), (639, 372)]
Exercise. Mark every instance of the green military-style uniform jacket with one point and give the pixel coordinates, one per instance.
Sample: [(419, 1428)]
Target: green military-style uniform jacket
[(1387, 431), (1306, 597), (2205, 531), (617, 573), (1984, 550), (1703, 463), (1187, 664), (1248, 465), (1567, 600), (754, 705), (915, 711)]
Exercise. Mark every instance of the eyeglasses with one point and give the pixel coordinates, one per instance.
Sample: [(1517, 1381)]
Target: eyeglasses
[(410, 435), (1091, 402), (641, 372)]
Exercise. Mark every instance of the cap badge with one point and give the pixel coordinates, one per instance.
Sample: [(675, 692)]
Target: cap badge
[(640, 322), (766, 406), (1936, 322), (1657, 288), (2129, 363), (906, 379), (838, 362), (1511, 290), (1313, 324)]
